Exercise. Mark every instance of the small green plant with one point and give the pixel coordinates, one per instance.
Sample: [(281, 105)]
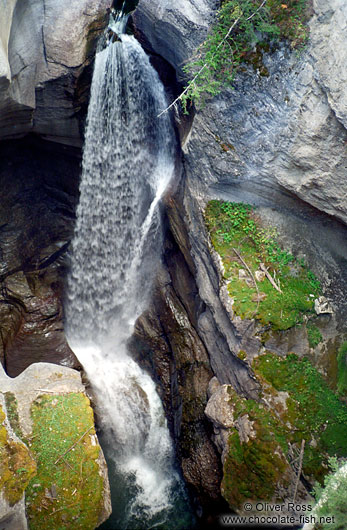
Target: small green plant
[(314, 335), (342, 370), (331, 500)]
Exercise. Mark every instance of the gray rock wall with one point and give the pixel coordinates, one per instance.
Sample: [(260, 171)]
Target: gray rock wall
[(45, 47), (175, 29), (6, 7), (285, 129), (36, 224)]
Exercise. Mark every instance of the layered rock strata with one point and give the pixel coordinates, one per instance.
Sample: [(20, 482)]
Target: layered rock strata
[(45, 48)]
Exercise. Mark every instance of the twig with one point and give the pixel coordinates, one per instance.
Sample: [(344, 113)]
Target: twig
[(73, 445), (269, 277), (299, 470), (254, 280), (46, 390), (67, 463), (255, 12), (63, 508)]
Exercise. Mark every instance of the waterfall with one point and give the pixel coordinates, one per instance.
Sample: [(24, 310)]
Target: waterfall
[(127, 164), (128, 161)]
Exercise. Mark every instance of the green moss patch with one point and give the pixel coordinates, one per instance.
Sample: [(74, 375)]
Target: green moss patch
[(235, 227), (314, 410), (67, 491), (311, 412), (16, 465)]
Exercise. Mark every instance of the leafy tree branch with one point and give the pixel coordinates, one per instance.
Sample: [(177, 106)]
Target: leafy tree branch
[(240, 25)]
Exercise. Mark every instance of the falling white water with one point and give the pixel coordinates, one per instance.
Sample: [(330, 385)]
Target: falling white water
[(128, 161)]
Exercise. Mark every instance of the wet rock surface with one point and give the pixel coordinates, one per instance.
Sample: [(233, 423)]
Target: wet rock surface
[(168, 345), (277, 142), (37, 214), (269, 141)]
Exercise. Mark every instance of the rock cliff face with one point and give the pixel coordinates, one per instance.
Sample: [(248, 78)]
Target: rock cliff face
[(45, 48), (175, 30), (284, 129), (277, 141), (36, 224)]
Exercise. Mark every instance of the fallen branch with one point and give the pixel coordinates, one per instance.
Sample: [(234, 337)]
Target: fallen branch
[(299, 470), (48, 391), (73, 445), (252, 276), (269, 277)]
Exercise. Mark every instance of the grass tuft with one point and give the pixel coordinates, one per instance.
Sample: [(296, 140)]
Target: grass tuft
[(314, 335)]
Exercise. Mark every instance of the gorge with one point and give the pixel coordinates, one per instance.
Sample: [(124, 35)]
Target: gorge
[(152, 313)]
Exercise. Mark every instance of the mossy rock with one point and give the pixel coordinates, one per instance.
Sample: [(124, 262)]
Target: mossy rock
[(17, 467), (12, 413), (242, 243), (296, 405), (314, 411), (68, 488), (255, 468)]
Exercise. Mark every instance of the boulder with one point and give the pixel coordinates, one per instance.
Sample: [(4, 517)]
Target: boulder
[(322, 306), (41, 404)]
